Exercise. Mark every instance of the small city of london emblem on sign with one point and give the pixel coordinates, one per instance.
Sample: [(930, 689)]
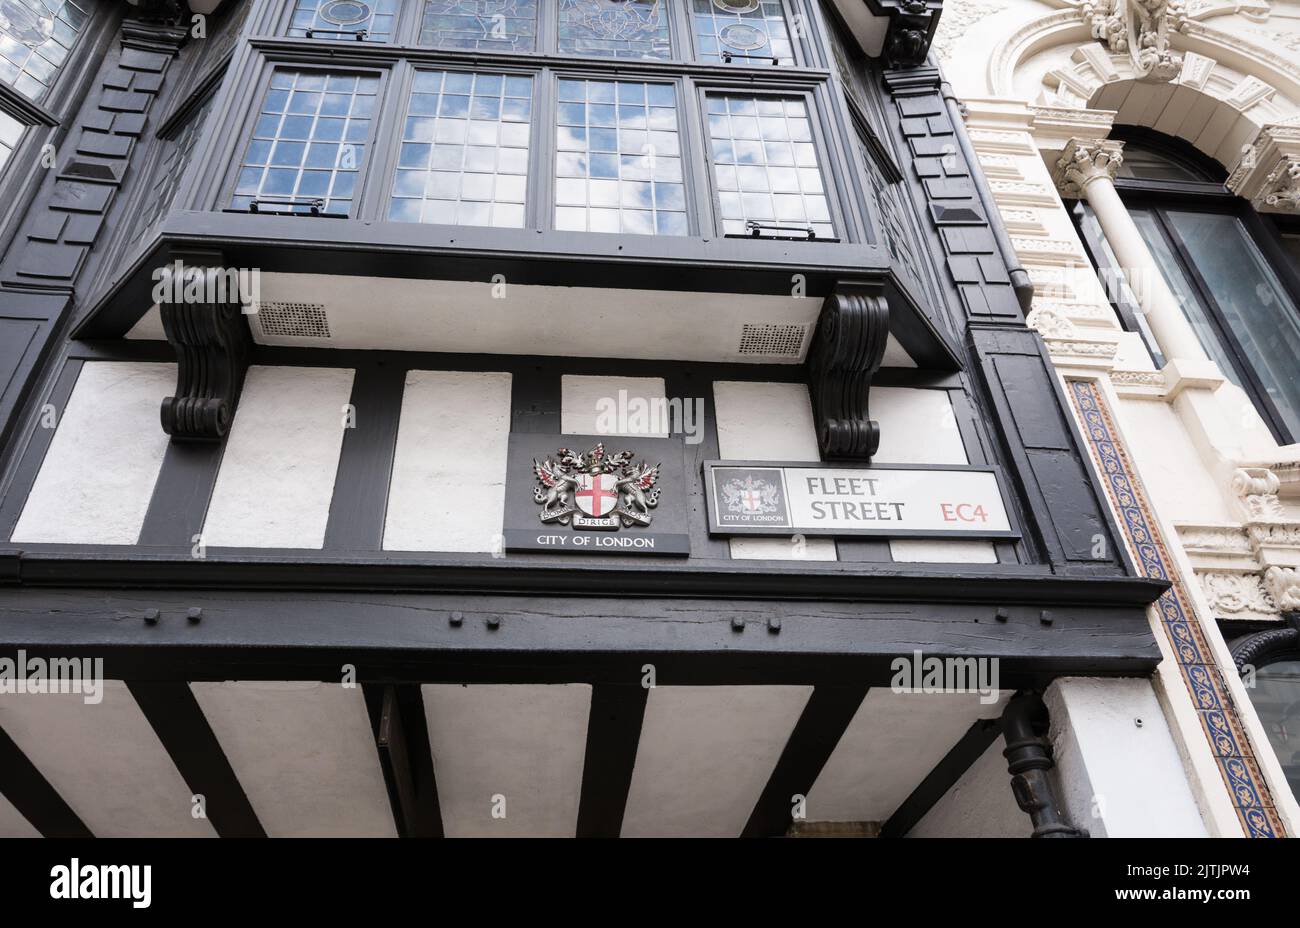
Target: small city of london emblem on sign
[(596, 490)]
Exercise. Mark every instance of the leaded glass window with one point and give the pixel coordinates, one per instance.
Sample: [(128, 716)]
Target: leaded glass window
[(765, 167), (741, 31), (11, 132), (35, 38), (343, 19), (618, 164), (464, 155), (308, 144), (488, 25), (615, 28), (167, 174)]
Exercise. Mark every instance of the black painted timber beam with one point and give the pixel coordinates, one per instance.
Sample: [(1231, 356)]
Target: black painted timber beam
[(822, 723), (181, 726), (613, 733), (942, 778), (31, 794), (406, 758)]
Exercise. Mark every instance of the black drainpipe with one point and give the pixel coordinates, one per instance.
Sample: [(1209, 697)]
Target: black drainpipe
[(1029, 758), (1020, 281)]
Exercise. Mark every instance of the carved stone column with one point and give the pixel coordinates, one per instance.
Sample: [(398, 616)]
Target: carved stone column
[(1086, 170)]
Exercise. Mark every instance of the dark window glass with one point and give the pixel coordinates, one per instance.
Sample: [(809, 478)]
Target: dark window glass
[(308, 144), (1276, 697), (615, 28), (1141, 163), (35, 38), (618, 167), (464, 155), (339, 19), (741, 30), (1256, 307), (489, 25), (765, 166)]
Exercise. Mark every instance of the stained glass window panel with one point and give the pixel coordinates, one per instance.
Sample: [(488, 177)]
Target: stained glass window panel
[(742, 30), (615, 28), (765, 167), (342, 19), (11, 133), (308, 144), (618, 163), (35, 38), (489, 25), (167, 174), (464, 154)]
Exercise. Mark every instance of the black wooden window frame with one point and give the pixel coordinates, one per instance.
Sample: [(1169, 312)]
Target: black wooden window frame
[(681, 35), (398, 60)]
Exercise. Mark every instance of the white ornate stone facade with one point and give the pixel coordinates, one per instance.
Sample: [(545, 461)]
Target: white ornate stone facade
[(1043, 82)]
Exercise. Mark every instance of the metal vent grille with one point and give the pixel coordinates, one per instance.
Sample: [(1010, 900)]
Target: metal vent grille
[(298, 320), (773, 340)]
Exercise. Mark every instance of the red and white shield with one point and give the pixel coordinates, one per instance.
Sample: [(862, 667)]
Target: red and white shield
[(596, 495)]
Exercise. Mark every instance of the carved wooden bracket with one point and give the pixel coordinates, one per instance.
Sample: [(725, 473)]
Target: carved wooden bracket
[(846, 352), (213, 345)]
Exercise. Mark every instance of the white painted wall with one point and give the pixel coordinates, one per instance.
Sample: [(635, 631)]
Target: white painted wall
[(98, 475), (305, 755), (583, 398), (979, 805), (105, 761), (920, 427), (1116, 777), (769, 422), (282, 454), (706, 753), (890, 746), (12, 822), (523, 743), (449, 470)]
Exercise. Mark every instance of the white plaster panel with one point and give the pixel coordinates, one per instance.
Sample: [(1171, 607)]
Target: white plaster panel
[(706, 753), (769, 422), (979, 805), (942, 551), (449, 470), (916, 427), (1118, 772), (105, 761), (513, 749), (583, 399), (282, 454), (890, 746), (12, 822), (98, 475), (304, 754)]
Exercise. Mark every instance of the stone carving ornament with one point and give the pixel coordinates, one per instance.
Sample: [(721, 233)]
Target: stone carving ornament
[(1140, 29)]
